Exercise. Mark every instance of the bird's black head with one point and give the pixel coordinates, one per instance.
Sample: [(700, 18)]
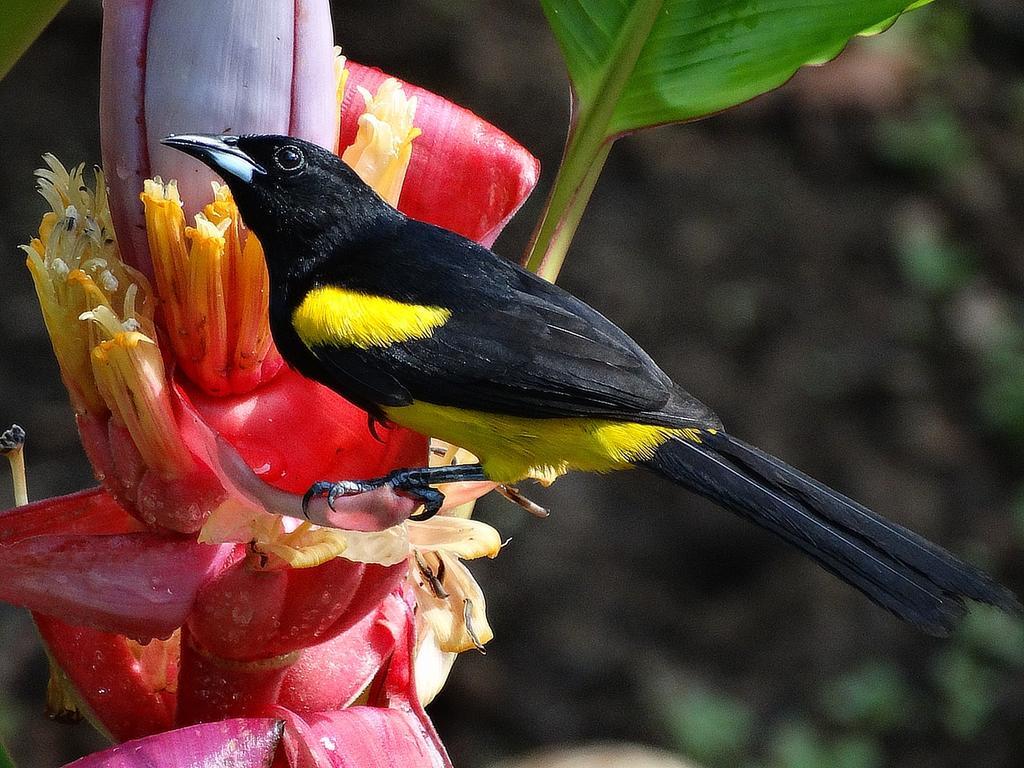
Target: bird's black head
[(287, 190)]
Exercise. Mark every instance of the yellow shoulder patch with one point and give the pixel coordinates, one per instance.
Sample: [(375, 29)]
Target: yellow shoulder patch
[(331, 316)]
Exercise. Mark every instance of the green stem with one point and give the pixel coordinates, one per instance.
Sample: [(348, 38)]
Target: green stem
[(584, 158), (590, 140)]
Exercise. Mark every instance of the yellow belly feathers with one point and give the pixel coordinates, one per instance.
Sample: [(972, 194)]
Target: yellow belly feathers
[(511, 448)]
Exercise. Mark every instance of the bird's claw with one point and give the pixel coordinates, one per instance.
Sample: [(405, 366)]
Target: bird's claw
[(335, 490), (409, 482), (406, 482), (432, 500), (344, 488)]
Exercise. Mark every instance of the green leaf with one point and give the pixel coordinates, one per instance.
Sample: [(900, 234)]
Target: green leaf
[(638, 63), (662, 61), (22, 22)]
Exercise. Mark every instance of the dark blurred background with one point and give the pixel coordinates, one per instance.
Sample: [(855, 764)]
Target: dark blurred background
[(836, 267)]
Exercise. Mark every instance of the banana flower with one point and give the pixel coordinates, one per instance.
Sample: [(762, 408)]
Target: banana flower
[(186, 588)]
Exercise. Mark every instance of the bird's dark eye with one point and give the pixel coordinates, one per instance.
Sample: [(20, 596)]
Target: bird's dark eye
[(289, 158)]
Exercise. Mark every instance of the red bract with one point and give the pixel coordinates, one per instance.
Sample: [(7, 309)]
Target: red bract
[(249, 743), (390, 730), (293, 432), (458, 157)]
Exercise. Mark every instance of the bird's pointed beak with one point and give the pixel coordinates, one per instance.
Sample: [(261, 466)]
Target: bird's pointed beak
[(220, 152)]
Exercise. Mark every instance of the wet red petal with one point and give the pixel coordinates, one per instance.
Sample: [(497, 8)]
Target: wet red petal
[(91, 511), (396, 687), (248, 614), (465, 174), (213, 688), (361, 737), (241, 743), (108, 679), (181, 503), (294, 432), (394, 732), (331, 675), (137, 584), (247, 622)]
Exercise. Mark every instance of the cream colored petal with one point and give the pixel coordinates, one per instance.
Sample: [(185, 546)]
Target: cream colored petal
[(76, 268), (432, 666), (386, 547), (467, 539), (383, 144), (457, 615)]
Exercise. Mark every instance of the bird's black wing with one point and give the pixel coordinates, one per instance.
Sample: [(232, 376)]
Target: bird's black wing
[(515, 344)]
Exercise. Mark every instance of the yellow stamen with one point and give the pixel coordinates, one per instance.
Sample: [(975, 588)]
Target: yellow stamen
[(207, 319), (383, 145), (275, 546), (214, 289), (75, 267), (451, 612), (468, 539), (165, 229), (457, 615), (129, 373), (306, 547), (247, 286)]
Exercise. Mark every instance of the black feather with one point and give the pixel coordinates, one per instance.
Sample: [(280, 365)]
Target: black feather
[(901, 571)]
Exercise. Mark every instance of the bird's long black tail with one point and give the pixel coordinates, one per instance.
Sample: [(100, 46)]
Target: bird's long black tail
[(901, 571)]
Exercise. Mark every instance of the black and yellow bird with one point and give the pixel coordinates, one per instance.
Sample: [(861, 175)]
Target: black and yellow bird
[(424, 328)]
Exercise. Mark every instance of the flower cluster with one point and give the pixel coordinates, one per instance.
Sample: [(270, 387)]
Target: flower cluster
[(188, 587)]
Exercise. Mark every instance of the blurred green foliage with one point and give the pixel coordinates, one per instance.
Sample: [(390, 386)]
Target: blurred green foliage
[(929, 139), (8, 719), (968, 689), (861, 710), (932, 263), (932, 138), (5, 760), (709, 727), (988, 648), (875, 697), (941, 34), (799, 745), (1001, 395)]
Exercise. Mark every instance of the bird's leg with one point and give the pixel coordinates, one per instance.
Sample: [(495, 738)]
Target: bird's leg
[(415, 483)]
